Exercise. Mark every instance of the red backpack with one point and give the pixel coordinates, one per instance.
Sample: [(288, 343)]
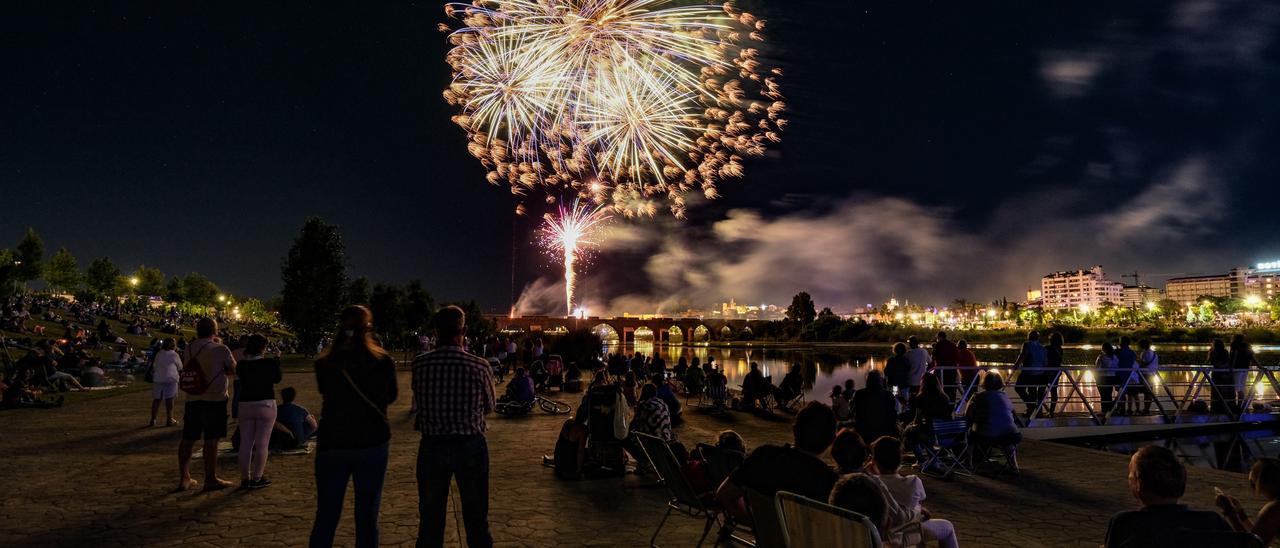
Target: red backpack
[(191, 379)]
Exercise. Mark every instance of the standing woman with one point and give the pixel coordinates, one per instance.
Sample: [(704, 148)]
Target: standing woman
[(357, 381), (258, 376), (164, 375)]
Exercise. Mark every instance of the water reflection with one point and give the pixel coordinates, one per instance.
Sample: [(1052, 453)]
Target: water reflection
[(823, 366), (1233, 451)]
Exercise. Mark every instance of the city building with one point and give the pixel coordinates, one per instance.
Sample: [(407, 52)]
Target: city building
[(1189, 289), (1079, 289), (1137, 296), (1259, 283)]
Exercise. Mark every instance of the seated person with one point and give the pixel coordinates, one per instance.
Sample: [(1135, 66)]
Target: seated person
[(538, 372), (849, 451), (718, 388), (755, 388), (572, 379), (651, 417), (93, 374), (907, 491), (520, 389), (840, 404), (668, 397), (798, 469), (1264, 477), (791, 387), (862, 494), (695, 381), (1158, 480), (19, 393), (300, 422), (928, 404), (992, 416), (875, 409)]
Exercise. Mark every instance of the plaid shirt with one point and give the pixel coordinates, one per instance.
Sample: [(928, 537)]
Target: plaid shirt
[(452, 391)]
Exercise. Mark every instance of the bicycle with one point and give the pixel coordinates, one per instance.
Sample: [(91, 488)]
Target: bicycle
[(547, 405)]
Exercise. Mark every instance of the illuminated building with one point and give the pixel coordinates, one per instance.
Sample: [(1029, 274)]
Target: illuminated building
[(1137, 296), (1079, 290)]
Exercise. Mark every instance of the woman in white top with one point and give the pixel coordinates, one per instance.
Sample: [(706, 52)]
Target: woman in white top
[(164, 378)]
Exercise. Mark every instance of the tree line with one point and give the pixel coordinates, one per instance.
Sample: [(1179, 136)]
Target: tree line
[(317, 286)]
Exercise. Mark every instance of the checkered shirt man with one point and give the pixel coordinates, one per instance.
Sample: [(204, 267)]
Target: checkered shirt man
[(452, 391)]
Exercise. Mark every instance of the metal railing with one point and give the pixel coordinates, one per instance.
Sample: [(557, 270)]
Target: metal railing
[(1083, 391)]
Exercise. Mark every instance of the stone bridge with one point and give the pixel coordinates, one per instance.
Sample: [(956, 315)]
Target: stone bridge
[(626, 330)]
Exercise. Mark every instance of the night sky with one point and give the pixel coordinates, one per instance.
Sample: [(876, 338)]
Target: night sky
[(936, 150)]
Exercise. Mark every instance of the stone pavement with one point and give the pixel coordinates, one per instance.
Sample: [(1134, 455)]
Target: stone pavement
[(90, 473)]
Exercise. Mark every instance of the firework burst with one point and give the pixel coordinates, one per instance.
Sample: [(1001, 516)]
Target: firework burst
[(570, 235), (632, 104)]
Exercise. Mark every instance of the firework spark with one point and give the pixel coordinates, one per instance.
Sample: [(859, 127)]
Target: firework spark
[(570, 234), (624, 102)]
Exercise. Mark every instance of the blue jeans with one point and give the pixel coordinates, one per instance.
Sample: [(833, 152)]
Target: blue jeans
[(440, 459), (368, 467)]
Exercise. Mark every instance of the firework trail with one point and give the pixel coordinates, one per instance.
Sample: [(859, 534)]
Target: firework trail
[(633, 104), (572, 233)]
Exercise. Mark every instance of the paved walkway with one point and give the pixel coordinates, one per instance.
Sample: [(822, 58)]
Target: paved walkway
[(90, 474)]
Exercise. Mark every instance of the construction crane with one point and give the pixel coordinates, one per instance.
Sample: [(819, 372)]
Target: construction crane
[(1135, 278)]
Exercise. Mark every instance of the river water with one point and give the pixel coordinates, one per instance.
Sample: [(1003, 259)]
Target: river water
[(824, 365)]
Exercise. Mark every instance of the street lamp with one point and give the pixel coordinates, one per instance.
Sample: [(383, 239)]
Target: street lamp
[(1151, 307), (133, 281)]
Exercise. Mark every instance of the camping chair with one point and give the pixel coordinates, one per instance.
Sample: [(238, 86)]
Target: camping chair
[(807, 522), (719, 463), (683, 498), (766, 523), (603, 447), (717, 397), (948, 451)]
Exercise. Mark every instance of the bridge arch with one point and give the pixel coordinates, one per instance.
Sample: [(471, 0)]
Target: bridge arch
[(607, 333), (726, 332), (675, 335), (700, 334)]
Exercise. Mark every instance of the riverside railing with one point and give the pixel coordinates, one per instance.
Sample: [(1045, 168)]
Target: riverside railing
[(1093, 393)]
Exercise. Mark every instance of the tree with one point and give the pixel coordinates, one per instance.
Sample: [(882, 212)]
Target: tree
[(358, 291), (62, 273), (315, 281), (197, 289), (30, 256), (418, 306), (386, 302), (801, 309), (173, 290), (150, 281), (8, 273), (826, 311), (102, 277)]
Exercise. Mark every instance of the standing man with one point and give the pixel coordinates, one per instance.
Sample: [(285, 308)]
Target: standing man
[(205, 413), (946, 357), (452, 391), (919, 360)]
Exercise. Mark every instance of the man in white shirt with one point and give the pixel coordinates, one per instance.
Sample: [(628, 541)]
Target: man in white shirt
[(908, 491), (919, 359)]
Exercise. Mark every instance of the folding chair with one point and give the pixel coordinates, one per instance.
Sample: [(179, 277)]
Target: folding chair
[(949, 450), (765, 521), (807, 522), (683, 497)]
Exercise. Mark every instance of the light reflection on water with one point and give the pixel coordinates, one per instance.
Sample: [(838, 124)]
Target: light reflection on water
[(823, 366)]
